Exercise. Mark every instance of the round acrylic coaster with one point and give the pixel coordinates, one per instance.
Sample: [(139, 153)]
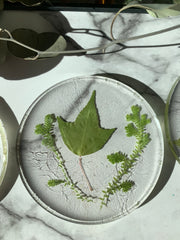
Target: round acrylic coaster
[(38, 164)]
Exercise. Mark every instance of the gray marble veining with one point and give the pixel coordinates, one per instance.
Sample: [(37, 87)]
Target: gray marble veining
[(153, 60)]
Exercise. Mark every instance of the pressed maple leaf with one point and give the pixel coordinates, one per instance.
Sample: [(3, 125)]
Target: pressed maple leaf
[(85, 135)]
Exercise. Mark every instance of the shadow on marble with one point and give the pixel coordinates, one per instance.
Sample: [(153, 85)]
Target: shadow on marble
[(11, 126), (158, 106), (15, 68), (118, 47)]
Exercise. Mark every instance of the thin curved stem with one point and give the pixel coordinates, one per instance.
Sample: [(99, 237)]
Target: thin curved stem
[(82, 169)]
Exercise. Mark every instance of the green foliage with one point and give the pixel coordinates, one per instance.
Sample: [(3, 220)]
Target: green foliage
[(55, 182), (46, 130), (140, 121), (126, 185), (117, 157), (85, 136), (47, 127), (131, 130), (137, 129)]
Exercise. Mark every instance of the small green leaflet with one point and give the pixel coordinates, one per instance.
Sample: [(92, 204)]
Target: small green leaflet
[(85, 136)]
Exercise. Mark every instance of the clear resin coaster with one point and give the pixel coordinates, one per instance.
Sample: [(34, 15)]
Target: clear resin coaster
[(8, 162), (174, 115), (90, 150), (3, 151)]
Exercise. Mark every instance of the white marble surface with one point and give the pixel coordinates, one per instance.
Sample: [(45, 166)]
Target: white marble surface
[(21, 82)]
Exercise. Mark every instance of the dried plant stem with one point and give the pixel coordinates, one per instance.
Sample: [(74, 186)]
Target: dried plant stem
[(82, 169), (138, 122), (46, 131), (68, 180)]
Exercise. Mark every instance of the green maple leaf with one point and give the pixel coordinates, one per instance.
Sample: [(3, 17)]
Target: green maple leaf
[(85, 135)]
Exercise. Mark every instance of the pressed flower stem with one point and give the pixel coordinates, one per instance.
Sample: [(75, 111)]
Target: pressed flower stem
[(46, 130), (79, 193), (82, 169)]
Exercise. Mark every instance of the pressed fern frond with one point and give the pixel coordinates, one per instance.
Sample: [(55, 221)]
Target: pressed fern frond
[(126, 185), (135, 115), (117, 157), (137, 129), (131, 130), (55, 182), (46, 130)]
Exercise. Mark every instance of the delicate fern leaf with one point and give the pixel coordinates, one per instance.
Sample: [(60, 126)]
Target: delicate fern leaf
[(49, 121), (130, 117), (40, 129), (117, 157), (131, 130), (48, 141), (136, 128), (144, 120), (55, 182), (47, 127), (46, 131), (146, 138), (136, 110), (134, 116), (126, 185)]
